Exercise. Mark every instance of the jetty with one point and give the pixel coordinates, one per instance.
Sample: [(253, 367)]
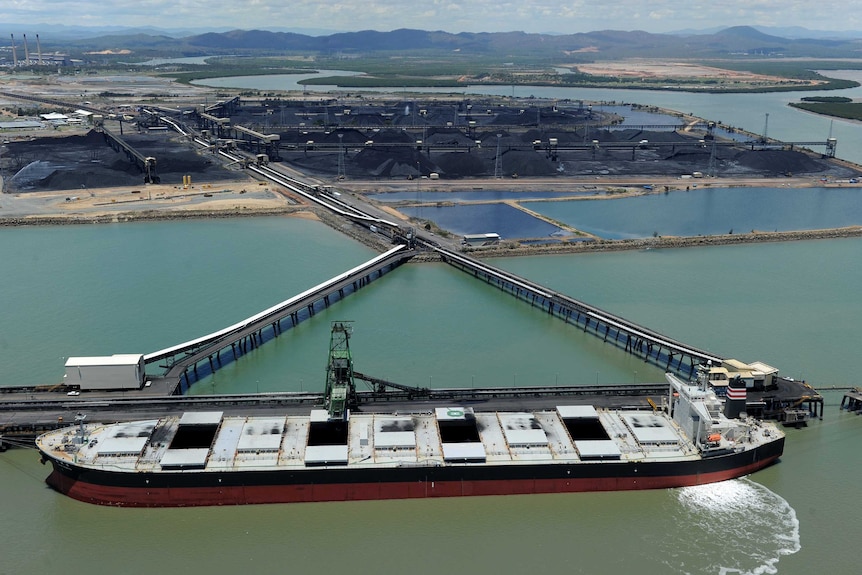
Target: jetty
[(852, 400)]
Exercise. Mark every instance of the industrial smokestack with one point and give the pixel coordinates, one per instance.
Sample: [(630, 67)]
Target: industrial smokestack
[(14, 52), (39, 49), (26, 52), (735, 402)]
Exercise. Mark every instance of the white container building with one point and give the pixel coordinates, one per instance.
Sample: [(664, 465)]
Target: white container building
[(119, 371)]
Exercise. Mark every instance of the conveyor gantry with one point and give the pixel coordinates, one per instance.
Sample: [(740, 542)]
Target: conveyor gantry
[(147, 164), (264, 143), (209, 122), (228, 106)]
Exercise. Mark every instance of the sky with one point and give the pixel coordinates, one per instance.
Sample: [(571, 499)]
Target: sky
[(540, 16)]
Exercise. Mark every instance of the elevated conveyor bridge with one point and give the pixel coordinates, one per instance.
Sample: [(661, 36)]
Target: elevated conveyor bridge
[(146, 164), (653, 347), (188, 361)]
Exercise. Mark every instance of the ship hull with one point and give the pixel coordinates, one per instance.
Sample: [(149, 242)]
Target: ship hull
[(196, 488)]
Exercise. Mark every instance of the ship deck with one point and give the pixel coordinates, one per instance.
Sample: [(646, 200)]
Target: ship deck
[(444, 436)]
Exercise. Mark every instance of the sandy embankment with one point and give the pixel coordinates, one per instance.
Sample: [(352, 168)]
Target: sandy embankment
[(148, 202)]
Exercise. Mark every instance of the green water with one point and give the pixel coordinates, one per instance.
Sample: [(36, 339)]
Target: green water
[(95, 290), (98, 290)]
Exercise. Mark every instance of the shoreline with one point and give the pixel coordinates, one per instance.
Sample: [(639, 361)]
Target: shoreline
[(665, 242), (151, 216)]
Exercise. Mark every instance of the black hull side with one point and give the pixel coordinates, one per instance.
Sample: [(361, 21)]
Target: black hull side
[(322, 484)]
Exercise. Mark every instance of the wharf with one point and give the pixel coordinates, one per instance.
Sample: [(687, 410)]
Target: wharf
[(24, 414), (787, 399), (852, 400), (23, 418)]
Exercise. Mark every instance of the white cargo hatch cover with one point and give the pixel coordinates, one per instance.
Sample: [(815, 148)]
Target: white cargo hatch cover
[(323, 454), (261, 434), (127, 438), (577, 411), (472, 451), (201, 418), (184, 458), (122, 445), (598, 449), (650, 428), (522, 429)]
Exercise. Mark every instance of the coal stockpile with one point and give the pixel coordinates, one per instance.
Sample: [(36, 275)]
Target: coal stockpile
[(472, 138), (87, 161), (518, 156), (779, 162), (406, 139)]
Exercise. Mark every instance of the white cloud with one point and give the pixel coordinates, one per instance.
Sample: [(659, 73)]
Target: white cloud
[(474, 16)]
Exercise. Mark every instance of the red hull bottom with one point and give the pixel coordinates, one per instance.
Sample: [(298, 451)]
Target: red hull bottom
[(242, 495)]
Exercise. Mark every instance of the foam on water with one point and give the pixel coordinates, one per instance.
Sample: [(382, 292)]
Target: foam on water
[(731, 527)]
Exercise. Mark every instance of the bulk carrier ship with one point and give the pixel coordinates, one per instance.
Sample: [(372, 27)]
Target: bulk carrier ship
[(336, 453)]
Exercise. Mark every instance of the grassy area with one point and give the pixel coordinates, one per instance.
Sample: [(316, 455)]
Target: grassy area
[(186, 76), (433, 70), (848, 110), (380, 82), (828, 99), (795, 70)]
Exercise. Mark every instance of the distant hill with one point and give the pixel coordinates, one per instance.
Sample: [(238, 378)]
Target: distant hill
[(605, 44), (790, 32)]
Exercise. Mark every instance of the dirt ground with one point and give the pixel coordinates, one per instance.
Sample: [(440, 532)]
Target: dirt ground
[(665, 69), (94, 202)]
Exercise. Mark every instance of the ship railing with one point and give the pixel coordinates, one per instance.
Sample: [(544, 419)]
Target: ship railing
[(665, 453), (421, 463)]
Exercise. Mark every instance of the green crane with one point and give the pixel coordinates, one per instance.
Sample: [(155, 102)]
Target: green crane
[(340, 389)]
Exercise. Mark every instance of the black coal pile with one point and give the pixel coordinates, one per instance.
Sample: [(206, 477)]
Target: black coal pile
[(87, 161)]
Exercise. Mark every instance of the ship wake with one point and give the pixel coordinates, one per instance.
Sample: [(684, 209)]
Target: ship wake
[(732, 527)]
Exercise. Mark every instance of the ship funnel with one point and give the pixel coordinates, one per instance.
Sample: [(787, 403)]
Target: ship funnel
[(735, 402)]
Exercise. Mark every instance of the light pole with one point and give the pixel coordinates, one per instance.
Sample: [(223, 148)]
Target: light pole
[(418, 193), (341, 167)]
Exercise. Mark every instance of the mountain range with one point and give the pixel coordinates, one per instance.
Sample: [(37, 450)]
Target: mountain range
[(606, 44)]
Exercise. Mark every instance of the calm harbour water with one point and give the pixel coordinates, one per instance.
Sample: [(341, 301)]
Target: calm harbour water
[(428, 323), (94, 290), (699, 211), (710, 211)]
